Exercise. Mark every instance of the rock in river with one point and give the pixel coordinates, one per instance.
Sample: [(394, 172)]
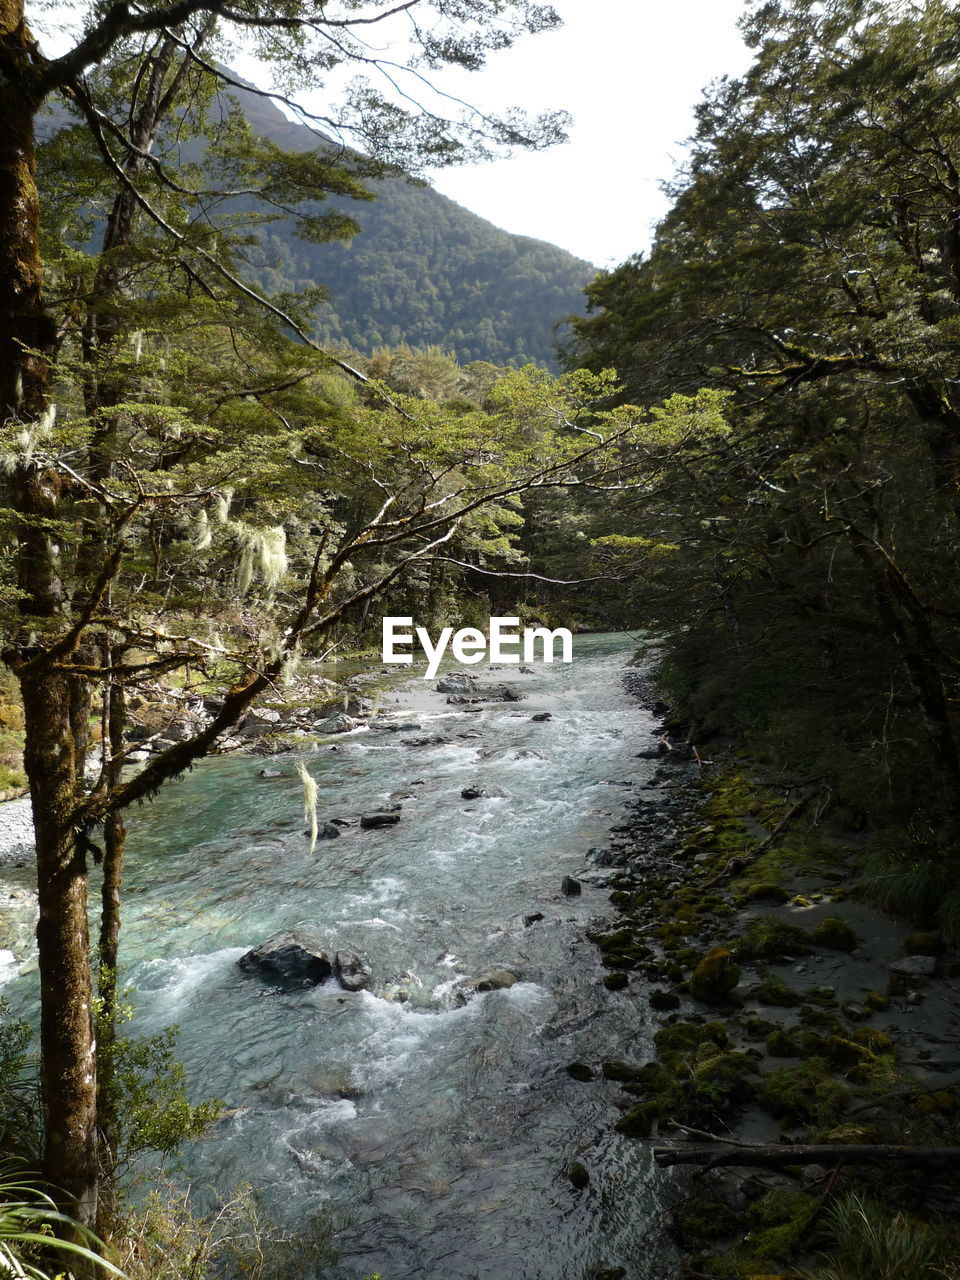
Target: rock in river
[(341, 723), (351, 971), (372, 820), (489, 980), (294, 956), (481, 793), (457, 684)]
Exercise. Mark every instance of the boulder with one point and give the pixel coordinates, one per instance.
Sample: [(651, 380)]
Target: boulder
[(570, 887), (341, 723), (496, 980), (541, 717), (269, 774), (266, 715), (456, 684), (328, 831), (489, 980), (294, 956), (527, 754), (503, 693), (915, 966), (351, 971), (481, 793), (533, 918), (434, 740), (370, 821)]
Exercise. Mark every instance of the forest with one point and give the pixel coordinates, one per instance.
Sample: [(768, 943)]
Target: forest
[(260, 388)]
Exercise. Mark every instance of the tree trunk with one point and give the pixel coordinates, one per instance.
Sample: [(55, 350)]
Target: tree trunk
[(68, 1047), (114, 847), (26, 337)]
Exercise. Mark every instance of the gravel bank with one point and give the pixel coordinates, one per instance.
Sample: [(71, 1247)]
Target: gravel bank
[(16, 831)]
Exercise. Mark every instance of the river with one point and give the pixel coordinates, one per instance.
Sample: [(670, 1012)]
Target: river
[(440, 1132)]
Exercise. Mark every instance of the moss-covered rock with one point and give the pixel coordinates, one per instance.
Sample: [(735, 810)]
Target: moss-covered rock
[(578, 1175), (715, 977), (615, 981), (770, 938), (825, 997), (649, 1074), (877, 1001), (822, 1019), (804, 1095), (876, 1041), (941, 1103), (662, 1000), (923, 944), (776, 992), (842, 1052), (580, 1071), (783, 1044), (779, 1222), (759, 1028), (699, 1220), (836, 933), (854, 1011), (715, 1082), (765, 892), (639, 1122)]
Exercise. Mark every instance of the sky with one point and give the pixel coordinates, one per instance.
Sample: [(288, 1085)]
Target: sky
[(630, 72)]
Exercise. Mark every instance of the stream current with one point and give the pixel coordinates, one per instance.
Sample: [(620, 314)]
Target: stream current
[(441, 1132)]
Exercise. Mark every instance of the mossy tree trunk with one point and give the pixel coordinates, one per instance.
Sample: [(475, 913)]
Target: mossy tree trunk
[(26, 335)]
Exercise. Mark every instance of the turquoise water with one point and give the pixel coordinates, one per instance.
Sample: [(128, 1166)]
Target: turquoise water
[(442, 1131)]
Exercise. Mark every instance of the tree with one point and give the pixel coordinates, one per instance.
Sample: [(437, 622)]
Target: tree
[(66, 632), (809, 267)]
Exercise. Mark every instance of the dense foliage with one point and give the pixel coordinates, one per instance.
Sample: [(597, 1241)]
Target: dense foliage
[(810, 269), (422, 271)]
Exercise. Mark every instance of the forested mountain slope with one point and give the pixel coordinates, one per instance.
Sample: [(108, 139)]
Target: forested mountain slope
[(423, 271)]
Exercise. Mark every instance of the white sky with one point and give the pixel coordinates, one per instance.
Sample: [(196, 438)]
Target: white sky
[(630, 72)]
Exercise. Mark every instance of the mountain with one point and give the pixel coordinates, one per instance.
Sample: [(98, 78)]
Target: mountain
[(423, 270)]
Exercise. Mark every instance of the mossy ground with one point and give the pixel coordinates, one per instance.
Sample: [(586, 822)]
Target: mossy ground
[(790, 1058)]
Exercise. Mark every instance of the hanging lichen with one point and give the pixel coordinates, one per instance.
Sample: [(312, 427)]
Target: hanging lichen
[(220, 511), (309, 802), (26, 440), (263, 552), (201, 535)]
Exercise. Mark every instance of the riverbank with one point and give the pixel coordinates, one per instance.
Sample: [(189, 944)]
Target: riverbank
[(788, 1009)]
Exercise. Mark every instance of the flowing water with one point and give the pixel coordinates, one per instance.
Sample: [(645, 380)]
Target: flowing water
[(442, 1132)]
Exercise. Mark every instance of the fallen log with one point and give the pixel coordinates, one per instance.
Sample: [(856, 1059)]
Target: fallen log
[(772, 1157)]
